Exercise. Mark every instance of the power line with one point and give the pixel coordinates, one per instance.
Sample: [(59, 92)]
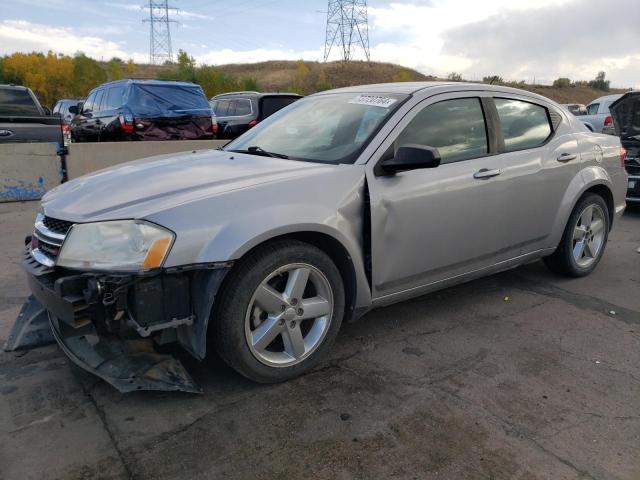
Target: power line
[(160, 50), (347, 28)]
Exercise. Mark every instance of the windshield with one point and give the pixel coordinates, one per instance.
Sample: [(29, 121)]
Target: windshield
[(330, 128)]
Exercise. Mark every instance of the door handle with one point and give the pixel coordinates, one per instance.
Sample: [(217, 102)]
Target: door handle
[(567, 157), (485, 173)]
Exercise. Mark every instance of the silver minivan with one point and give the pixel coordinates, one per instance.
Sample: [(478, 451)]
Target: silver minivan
[(343, 201)]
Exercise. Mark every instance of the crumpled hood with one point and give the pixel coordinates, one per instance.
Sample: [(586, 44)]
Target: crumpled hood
[(626, 114), (143, 187)]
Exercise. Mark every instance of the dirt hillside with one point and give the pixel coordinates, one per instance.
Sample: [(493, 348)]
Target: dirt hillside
[(281, 75)]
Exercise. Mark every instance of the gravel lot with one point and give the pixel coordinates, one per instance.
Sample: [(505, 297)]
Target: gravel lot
[(520, 375)]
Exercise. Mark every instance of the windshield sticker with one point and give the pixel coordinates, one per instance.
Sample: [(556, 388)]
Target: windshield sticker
[(374, 100)]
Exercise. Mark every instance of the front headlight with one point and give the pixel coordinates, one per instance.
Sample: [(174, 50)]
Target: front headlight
[(123, 245)]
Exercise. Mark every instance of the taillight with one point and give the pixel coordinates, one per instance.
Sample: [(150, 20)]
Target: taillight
[(66, 135), (623, 155), (253, 123), (608, 121), (126, 123), (214, 126)]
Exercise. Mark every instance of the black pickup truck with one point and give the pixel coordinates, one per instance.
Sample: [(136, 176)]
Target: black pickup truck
[(23, 119)]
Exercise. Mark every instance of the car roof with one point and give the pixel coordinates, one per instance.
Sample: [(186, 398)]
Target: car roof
[(411, 88), (128, 81), (606, 97), (256, 94), (9, 86)]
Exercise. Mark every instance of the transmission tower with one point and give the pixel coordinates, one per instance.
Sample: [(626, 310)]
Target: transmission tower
[(160, 34), (347, 28)]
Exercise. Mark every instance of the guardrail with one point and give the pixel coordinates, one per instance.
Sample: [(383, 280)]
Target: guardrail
[(28, 170)]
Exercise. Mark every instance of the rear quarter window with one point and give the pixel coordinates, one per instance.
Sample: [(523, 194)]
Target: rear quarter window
[(593, 109), (523, 124), (270, 105)]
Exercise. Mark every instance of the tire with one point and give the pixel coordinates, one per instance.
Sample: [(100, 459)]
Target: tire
[(566, 259), (247, 306)]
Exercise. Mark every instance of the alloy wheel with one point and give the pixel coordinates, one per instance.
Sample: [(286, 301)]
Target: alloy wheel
[(588, 236), (289, 315)]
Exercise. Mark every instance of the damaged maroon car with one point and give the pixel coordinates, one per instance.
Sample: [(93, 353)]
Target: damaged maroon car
[(144, 110)]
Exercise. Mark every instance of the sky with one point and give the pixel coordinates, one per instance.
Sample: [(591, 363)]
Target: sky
[(531, 40)]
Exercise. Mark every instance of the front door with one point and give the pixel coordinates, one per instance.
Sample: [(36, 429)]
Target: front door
[(434, 224)]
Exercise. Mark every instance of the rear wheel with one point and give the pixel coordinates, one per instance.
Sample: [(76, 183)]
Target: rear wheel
[(584, 238), (279, 311)]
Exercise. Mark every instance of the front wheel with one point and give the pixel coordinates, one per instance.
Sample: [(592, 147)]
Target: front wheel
[(279, 311), (584, 238)]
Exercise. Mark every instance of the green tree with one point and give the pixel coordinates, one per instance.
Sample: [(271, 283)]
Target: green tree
[(322, 83), (454, 77), (403, 75), (493, 80), (114, 67), (131, 67), (562, 82), (300, 79), (186, 67), (87, 74), (600, 83)]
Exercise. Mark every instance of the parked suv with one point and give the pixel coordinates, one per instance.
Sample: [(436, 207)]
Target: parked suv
[(345, 201), (626, 116), (239, 111), (144, 110)]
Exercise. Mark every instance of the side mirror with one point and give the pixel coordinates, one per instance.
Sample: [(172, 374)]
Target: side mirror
[(73, 109), (409, 157)]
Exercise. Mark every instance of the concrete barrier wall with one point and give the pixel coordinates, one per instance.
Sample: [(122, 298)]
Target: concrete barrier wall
[(84, 158), (28, 170)]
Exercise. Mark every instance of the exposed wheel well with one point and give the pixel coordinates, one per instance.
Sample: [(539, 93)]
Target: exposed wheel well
[(337, 252), (606, 194)]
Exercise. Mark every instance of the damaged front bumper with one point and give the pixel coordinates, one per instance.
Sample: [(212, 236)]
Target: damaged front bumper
[(111, 325)]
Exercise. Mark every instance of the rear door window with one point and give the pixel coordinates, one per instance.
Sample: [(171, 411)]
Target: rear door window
[(17, 102), (593, 109), (455, 127), (523, 124)]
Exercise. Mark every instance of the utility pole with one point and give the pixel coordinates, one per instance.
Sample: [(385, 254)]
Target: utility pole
[(160, 50), (347, 28)]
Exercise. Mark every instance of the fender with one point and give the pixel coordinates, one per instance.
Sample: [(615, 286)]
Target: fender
[(588, 177), (344, 225)]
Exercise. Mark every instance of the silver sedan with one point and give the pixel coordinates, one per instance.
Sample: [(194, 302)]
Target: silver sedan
[(341, 202)]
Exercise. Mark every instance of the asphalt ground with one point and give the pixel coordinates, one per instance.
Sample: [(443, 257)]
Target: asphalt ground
[(521, 375)]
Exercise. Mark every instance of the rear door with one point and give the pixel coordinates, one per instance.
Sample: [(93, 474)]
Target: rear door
[(110, 110), (434, 224), (539, 157)]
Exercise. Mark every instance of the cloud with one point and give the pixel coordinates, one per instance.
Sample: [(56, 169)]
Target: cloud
[(573, 40), (23, 36)]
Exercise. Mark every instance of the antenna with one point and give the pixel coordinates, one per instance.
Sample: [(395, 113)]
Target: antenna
[(160, 34), (347, 28)]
